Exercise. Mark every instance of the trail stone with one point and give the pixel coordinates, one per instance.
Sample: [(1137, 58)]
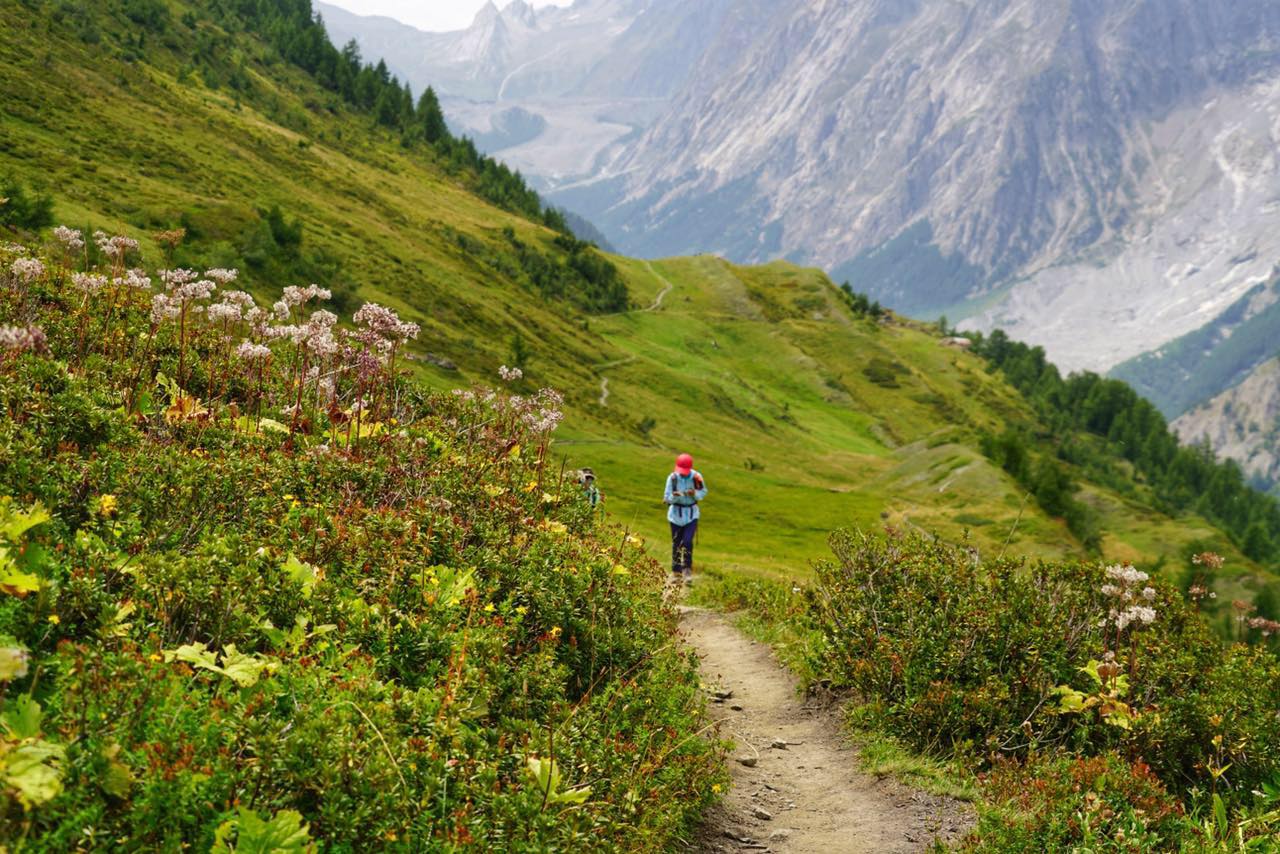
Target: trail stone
[(749, 761), (778, 745), (762, 814)]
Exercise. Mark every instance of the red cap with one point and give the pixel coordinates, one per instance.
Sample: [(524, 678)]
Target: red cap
[(684, 464)]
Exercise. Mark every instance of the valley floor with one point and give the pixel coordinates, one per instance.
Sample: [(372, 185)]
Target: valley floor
[(805, 794)]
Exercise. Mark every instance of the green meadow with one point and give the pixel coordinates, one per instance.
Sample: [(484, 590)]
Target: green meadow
[(803, 416)]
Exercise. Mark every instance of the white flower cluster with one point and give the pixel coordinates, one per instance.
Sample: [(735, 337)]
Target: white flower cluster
[(221, 275), (88, 283), (115, 248), (1131, 593), (510, 375), (71, 238), (27, 269), (137, 280), (23, 339), (251, 352), (163, 308)]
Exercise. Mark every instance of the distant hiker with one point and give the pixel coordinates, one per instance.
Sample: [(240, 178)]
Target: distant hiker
[(587, 480), (685, 489)]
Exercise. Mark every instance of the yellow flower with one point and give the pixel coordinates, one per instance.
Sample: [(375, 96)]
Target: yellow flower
[(107, 505), (515, 452), (531, 486), (155, 656), (488, 608), (548, 498), (555, 632), (54, 619), (715, 787), (633, 540), (521, 610), (619, 569)]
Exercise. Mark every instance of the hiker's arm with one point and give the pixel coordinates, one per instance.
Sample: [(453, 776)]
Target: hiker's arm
[(669, 497), (701, 492)]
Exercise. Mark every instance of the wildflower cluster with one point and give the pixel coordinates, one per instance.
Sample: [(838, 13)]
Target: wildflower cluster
[(1266, 627), (259, 534), (250, 363), (23, 339), (1131, 595), (1036, 666), (27, 270), (71, 239)]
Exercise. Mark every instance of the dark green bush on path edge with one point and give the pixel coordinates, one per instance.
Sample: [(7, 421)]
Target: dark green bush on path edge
[(990, 661), (256, 608)]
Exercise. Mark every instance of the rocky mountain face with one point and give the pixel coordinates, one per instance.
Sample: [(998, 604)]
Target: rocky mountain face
[(1095, 176), (587, 76), (1243, 424)]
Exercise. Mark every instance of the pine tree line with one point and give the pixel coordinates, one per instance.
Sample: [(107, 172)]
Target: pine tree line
[(1181, 478)]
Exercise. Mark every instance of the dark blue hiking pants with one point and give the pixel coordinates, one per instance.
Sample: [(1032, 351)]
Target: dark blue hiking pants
[(682, 545)]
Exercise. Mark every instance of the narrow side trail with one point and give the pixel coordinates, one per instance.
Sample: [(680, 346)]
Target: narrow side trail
[(662, 294), (803, 792)]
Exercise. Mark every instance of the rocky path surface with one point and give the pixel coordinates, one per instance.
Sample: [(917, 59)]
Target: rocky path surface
[(796, 787)]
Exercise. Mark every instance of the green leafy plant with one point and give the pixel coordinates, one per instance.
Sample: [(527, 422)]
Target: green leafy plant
[(545, 774), (244, 670), (250, 833)]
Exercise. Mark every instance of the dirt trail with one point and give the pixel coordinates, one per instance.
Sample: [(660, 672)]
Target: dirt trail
[(662, 294), (807, 796)]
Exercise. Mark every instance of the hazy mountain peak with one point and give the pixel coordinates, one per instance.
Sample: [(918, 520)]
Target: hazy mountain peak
[(487, 14), (521, 12)]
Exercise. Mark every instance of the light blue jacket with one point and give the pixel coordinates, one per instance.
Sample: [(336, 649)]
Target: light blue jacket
[(683, 509)]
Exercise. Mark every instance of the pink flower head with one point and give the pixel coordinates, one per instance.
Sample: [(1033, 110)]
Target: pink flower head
[(27, 269), (23, 339), (251, 352), (222, 275), (88, 283), (71, 238), (115, 247)]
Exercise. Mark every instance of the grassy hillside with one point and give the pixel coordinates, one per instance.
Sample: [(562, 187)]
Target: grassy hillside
[(804, 416)]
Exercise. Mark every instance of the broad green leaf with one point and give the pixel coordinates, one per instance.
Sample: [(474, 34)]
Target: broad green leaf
[(117, 780), (33, 770), (1070, 701), (23, 718), (283, 833), (546, 776), (247, 424), (242, 669), (302, 573), (195, 654), (14, 581), (15, 523)]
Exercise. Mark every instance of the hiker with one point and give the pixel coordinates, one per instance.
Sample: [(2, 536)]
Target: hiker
[(685, 489), (587, 480)]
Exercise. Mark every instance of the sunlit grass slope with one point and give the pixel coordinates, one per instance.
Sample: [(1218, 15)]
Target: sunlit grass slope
[(760, 373)]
